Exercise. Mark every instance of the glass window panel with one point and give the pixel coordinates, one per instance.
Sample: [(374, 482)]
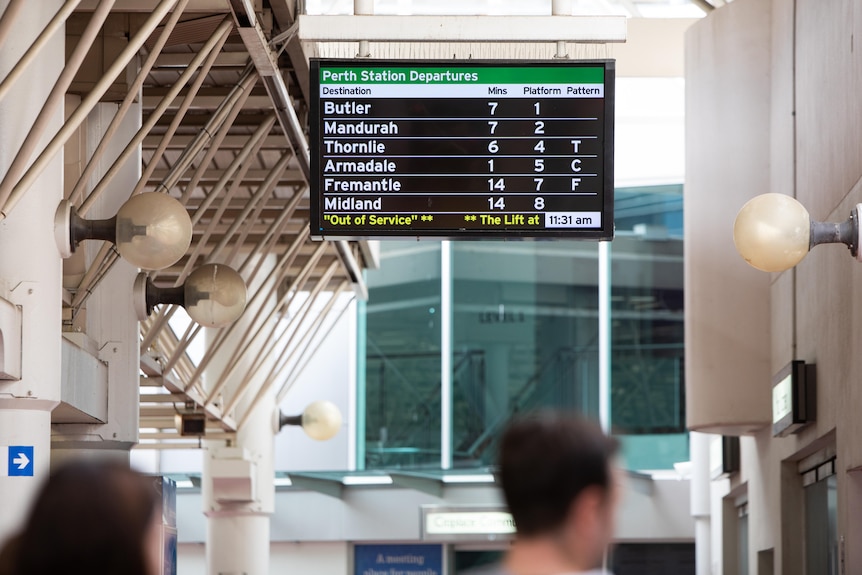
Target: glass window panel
[(525, 336), (653, 559), (476, 562), (821, 527), (525, 332), (647, 328), (402, 358), (832, 515)]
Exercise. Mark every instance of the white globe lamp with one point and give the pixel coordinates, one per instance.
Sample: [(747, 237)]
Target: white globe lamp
[(774, 232), (214, 295), (321, 420), (152, 230)]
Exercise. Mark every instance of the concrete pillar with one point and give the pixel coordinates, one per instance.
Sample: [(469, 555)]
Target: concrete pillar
[(700, 503), (107, 323), (30, 270), (561, 7), (363, 8), (238, 536), (238, 479), (727, 355)]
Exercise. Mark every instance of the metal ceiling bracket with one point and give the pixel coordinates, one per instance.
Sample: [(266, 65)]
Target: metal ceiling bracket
[(266, 64)]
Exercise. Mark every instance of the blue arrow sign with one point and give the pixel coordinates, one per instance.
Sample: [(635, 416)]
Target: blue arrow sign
[(20, 461)]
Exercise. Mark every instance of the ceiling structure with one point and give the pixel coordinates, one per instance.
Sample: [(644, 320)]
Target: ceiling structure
[(247, 194), (631, 8), (223, 87)]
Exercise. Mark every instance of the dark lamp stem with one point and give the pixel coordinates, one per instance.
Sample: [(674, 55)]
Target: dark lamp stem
[(167, 295), (844, 232), (288, 420), (81, 229)]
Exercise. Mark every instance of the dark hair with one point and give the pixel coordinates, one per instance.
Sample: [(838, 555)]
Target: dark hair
[(546, 460), (89, 518), (7, 556)]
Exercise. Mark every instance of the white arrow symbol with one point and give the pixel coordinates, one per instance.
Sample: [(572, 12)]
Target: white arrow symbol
[(21, 461)]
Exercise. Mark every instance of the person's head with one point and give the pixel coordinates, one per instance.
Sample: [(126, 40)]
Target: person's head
[(558, 476), (90, 517)]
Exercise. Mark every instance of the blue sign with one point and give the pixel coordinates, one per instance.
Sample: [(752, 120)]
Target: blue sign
[(20, 461), (398, 559)]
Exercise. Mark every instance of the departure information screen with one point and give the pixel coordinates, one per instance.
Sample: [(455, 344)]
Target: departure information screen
[(461, 149)]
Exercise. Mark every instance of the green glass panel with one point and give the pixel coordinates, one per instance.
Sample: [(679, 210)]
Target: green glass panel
[(525, 336), (525, 331), (402, 358), (647, 327)]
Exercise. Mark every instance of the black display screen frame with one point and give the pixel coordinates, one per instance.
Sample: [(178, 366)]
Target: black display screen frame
[(603, 204)]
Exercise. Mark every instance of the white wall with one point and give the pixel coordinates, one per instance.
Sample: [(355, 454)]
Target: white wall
[(331, 375), (191, 559), (656, 510), (285, 558), (313, 533), (316, 558)]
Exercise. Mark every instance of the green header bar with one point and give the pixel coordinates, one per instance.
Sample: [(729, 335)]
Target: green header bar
[(463, 75)]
